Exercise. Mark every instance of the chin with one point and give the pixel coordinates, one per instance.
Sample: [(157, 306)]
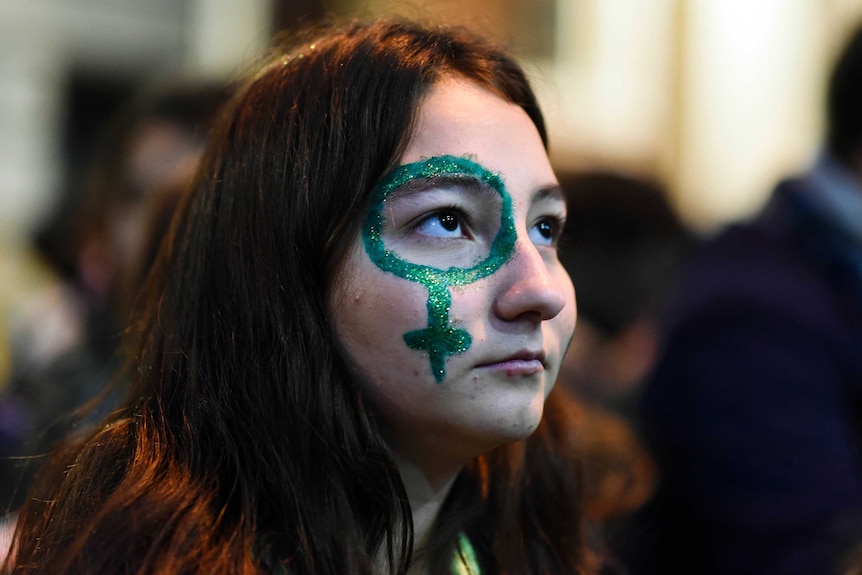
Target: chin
[(525, 428), (512, 428)]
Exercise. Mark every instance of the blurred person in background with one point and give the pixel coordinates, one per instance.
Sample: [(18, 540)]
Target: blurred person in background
[(64, 340), (623, 245), (754, 410)]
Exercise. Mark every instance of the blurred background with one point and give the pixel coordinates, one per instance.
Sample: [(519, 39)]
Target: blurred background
[(716, 99)]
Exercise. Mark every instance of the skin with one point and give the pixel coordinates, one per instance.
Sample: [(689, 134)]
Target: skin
[(520, 317)]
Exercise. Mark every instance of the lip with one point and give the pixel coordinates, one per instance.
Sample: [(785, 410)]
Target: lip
[(521, 363)]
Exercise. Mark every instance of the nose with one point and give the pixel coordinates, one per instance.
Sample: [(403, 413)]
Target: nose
[(529, 289)]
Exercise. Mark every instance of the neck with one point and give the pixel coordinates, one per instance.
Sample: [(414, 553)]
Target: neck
[(426, 492), (427, 488), (428, 468)]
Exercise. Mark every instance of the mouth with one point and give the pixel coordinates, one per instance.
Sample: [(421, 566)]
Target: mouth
[(521, 363)]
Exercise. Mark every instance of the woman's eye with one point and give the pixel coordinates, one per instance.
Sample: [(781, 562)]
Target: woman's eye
[(442, 224), (545, 232)]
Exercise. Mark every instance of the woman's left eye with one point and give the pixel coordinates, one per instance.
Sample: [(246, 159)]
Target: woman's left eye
[(545, 232), (443, 224)]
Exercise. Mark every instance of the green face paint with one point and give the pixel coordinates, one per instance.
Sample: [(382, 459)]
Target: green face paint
[(440, 339)]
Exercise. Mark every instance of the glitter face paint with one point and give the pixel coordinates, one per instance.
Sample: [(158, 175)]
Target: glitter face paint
[(485, 395), (439, 338)]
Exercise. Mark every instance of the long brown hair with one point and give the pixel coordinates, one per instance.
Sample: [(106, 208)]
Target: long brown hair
[(243, 441)]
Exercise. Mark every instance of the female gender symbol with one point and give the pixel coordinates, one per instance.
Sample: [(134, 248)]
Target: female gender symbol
[(439, 338)]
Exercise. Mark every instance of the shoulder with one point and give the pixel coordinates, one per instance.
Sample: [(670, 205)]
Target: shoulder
[(762, 264)]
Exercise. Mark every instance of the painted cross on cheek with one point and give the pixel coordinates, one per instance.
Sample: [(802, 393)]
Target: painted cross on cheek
[(439, 338)]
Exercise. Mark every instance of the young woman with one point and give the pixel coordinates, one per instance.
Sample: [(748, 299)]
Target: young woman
[(342, 360)]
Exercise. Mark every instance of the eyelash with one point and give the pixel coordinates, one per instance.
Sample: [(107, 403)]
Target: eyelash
[(556, 224), (465, 219), (463, 216)]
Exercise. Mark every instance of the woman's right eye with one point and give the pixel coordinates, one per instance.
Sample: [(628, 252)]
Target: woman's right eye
[(443, 224)]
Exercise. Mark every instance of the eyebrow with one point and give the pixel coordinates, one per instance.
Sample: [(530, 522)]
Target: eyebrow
[(550, 192), (423, 184)]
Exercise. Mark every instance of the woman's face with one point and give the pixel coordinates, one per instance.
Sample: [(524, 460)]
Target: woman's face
[(452, 308)]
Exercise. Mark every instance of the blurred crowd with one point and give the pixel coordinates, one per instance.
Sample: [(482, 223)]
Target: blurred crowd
[(720, 378), (64, 340), (736, 360)]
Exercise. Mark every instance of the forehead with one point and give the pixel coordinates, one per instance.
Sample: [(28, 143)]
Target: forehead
[(459, 118)]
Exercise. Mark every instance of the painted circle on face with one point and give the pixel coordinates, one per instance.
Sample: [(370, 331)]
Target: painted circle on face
[(439, 338)]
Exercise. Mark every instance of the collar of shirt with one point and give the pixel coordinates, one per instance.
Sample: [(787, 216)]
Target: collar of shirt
[(838, 195)]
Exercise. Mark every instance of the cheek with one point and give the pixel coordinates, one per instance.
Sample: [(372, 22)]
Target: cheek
[(371, 312), (375, 310)]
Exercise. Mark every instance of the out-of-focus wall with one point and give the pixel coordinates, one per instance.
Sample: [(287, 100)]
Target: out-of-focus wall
[(42, 41), (44, 44), (610, 89), (718, 99), (525, 26), (224, 35)]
